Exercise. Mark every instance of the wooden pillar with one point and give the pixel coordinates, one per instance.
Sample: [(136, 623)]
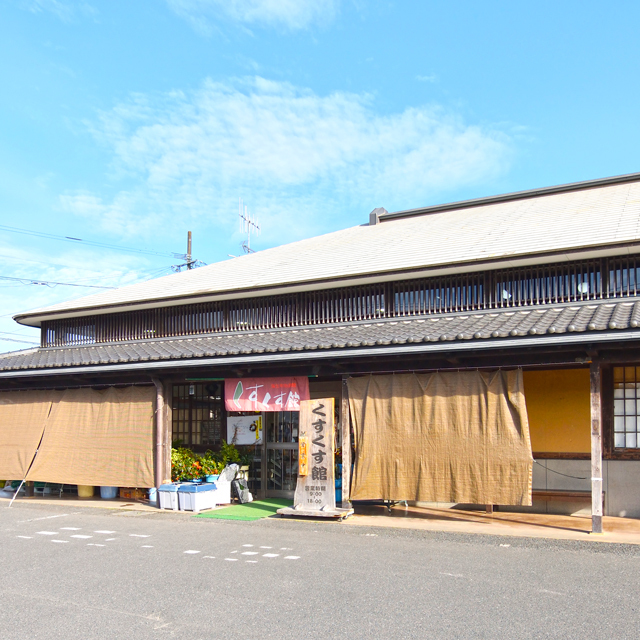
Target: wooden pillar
[(346, 445), (160, 433), (596, 449)]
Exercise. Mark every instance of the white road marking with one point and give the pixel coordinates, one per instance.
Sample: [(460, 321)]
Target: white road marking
[(110, 539), (505, 545), (26, 537), (231, 559), (252, 561), (247, 545), (292, 557), (286, 549), (555, 593), (94, 544), (103, 531), (138, 535), (47, 533), (266, 547), (191, 551), (233, 552), (81, 536), (147, 546), (69, 528), (453, 575), (212, 557), (249, 553), (62, 515), (270, 555), (60, 541)]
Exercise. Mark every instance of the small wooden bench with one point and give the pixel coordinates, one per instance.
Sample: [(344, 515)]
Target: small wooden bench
[(549, 495)]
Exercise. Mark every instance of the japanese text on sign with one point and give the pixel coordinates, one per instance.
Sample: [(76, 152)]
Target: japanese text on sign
[(265, 394)]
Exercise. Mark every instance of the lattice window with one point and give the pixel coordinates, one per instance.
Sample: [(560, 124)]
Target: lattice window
[(626, 407)]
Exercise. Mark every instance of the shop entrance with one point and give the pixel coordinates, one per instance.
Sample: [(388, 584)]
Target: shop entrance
[(281, 460)]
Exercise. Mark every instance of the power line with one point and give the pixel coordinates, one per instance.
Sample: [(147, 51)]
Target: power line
[(3, 339), (51, 236), (50, 283)]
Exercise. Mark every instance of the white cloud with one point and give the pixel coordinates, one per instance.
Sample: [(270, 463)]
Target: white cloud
[(65, 10), (306, 163), (83, 266), (432, 77), (290, 14)]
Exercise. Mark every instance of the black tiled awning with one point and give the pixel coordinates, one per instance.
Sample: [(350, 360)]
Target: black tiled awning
[(507, 327)]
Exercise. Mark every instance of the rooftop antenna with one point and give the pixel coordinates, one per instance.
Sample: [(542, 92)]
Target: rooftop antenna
[(247, 224)]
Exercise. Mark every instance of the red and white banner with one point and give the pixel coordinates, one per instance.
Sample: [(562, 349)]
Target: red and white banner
[(265, 394)]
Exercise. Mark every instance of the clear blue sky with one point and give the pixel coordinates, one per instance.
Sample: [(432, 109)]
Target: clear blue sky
[(129, 123)]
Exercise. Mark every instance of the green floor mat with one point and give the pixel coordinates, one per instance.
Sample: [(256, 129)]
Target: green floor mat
[(249, 511)]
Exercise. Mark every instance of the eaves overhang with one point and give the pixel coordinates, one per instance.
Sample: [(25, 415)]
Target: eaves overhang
[(453, 347), (470, 266)]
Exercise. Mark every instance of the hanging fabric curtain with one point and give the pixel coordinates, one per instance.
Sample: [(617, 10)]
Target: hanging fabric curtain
[(442, 437), (100, 438), (23, 415)]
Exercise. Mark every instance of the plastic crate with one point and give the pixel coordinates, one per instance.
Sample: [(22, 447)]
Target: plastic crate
[(197, 497), (168, 494)]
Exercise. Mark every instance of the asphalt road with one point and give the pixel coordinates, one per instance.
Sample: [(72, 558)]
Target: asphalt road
[(88, 573)]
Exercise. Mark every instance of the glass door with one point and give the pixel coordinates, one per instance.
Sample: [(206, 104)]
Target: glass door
[(281, 461)]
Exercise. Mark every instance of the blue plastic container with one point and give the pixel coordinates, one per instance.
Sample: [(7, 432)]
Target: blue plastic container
[(196, 497), (212, 478), (168, 494), (108, 493)]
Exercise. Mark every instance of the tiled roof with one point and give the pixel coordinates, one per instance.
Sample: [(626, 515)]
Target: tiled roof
[(469, 330), (590, 217)]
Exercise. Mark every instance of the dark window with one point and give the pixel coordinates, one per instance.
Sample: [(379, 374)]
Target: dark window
[(197, 415)]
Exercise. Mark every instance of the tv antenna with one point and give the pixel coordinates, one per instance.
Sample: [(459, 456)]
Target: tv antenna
[(248, 224)]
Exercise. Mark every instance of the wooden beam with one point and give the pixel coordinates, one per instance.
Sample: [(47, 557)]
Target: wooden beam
[(596, 449), (346, 444)]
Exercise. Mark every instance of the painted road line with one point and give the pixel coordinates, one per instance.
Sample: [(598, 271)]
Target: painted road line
[(249, 553), (47, 533), (103, 531), (191, 551), (211, 557), (147, 546), (110, 539), (69, 528), (252, 561), (61, 541), (138, 535), (292, 557), (247, 545), (270, 555), (94, 544), (266, 547), (81, 536), (26, 537), (231, 559)]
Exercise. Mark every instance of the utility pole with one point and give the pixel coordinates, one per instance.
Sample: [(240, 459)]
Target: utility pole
[(189, 261)]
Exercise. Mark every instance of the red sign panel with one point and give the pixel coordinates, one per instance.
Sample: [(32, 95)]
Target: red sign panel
[(265, 394)]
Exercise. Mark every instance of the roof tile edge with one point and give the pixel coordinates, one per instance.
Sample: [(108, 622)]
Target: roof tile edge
[(515, 195)]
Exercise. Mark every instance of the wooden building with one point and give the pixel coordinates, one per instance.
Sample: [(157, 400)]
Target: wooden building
[(545, 282)]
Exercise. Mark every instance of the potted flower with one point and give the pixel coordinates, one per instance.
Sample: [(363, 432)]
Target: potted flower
[(210, 468)]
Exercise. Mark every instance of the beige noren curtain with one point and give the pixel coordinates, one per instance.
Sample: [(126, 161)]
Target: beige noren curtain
[(101, 438), (23, 415), (441, 437)]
